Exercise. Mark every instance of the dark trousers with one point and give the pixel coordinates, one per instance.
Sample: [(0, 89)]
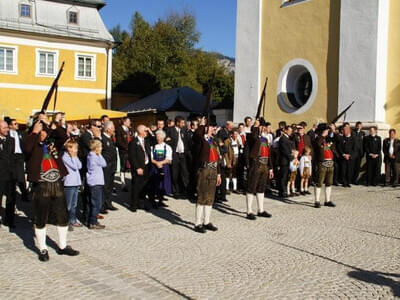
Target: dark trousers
[(139, 188), (392, 170), (356, 169), (95, 203), (180, 174), (5, 190), (346, 170), (373, 170), (283, 178), (336, 171), (220, 193), (109, 174)]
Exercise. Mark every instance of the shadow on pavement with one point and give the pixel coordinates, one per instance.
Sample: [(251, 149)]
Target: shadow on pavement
[(373, 277)]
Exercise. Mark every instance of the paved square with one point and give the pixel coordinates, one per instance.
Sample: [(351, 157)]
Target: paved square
[(352, 251)]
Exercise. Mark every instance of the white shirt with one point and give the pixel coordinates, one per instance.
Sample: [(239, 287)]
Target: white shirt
[(14, 134), (305, 162), (180, 147), (235, 147), (391, 147), (161, 146), (146, 158)]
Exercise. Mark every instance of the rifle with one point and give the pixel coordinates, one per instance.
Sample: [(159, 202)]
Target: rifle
[(207, 104), (54, 87), (262, 99), (342, 113)]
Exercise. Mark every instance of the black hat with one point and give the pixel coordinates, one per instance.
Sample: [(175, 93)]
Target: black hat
[(322, 127)]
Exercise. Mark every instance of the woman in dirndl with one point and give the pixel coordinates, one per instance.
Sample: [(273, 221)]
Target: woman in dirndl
[(160, 180)]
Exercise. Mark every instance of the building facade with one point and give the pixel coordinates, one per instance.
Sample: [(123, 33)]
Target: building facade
[(319, 56), (36, 37)]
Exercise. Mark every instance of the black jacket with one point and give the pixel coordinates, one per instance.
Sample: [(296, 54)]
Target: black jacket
[(137, 155), (359, 137), (396, 149), (172, 139), (7, 159), (109, 152), (372, 145), (285, 150), (346, 145)]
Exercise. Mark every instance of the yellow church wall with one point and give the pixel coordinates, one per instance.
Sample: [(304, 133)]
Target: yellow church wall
[(393, 70), (27, 69), (21, 104), (310, 31)]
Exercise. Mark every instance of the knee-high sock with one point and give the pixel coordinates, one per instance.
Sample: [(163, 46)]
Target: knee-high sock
[(122, 177), (317, 194), (227, 183), (249, 200), (62, 236), (199, 214), (234, 182), (328, 190), (260, 202), (207, 214), (41, 238)]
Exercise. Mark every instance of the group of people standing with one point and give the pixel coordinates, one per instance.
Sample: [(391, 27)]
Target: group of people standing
[(193, 159)]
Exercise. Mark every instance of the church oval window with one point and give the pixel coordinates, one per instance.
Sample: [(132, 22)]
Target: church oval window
[(297, 86)]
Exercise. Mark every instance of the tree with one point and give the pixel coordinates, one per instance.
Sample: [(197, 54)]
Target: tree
[(164, 55)]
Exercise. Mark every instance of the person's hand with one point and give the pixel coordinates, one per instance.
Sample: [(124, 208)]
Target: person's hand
[(44, 119), (203, 121), (271, 174), (219, 180), (257, 123), (37, 128), (96, 132), (140, 172), (229, 166)]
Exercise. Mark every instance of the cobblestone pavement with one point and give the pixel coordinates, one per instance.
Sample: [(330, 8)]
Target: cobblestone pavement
[(352, 251)]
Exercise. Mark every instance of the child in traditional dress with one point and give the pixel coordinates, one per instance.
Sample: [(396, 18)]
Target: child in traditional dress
[(294, 165), (305, 170)]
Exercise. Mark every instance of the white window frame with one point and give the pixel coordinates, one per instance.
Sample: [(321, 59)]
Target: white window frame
[(286, 3), (15, 60), (93, 57), (56, 55), (77, 17), (20, 10)]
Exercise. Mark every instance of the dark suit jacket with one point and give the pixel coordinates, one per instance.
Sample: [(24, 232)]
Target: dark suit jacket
[(34, 154), (172, 133), (137, 155), (7, 159), (347, 145), (60, 137), (109, 152), (285, 150), (372, 145), (84, 149), (122, 139), (359, 137), (396, 149)]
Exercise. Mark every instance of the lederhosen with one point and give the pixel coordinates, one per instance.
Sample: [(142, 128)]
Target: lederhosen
[(207, 176), (49, 204), (259, 169), (326, 167)]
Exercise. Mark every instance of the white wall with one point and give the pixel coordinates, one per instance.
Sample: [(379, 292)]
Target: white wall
[(362, 62), (247, 85)]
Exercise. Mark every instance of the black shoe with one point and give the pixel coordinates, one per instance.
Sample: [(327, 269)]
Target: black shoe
[(133, 209), (162, 204), (224, 200), (112, 207), (44, 255), (104, 211), (67, 251), (303, 193), (210, 227), (330, 204), (317, 205), (307, 192), (251, 217), (264, 214), (199, 229), (349, 186)]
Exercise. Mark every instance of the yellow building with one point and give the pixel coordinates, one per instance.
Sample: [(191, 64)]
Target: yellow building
[(36, 36), (319, 56)]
